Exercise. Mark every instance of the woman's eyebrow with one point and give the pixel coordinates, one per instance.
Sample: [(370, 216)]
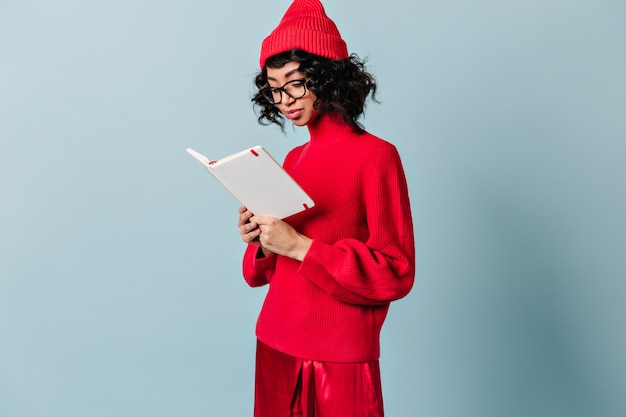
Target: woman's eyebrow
[(289, 74), (293, 71)]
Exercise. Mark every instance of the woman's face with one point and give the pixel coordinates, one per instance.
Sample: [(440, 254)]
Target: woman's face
[(299, 110)]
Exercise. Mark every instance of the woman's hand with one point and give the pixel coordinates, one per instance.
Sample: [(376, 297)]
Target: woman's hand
[(279, 237), (248, 230)]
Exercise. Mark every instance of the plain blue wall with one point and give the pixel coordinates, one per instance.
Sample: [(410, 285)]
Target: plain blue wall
[(120, 284)]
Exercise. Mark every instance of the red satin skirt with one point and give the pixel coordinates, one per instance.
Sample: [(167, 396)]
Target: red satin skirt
[(287, 386)]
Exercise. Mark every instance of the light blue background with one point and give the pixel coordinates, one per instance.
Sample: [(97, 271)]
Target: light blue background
[(120, 284)]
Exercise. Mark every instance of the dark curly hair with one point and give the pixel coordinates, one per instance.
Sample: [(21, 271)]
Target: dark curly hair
[(341, 86)]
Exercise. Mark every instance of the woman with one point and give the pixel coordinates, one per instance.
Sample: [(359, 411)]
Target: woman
[(332, 270)]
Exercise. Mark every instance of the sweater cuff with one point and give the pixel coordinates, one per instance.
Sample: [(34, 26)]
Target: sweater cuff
[(320, 258), (257, 271), (262, 261)]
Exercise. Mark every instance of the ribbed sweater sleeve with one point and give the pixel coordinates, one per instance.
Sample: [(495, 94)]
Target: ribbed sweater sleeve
[(380, 269), (257, 271)]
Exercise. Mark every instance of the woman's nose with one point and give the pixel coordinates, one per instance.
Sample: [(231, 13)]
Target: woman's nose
[(286, 98)]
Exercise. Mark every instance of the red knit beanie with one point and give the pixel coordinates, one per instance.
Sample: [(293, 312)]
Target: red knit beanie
[(305, 26)]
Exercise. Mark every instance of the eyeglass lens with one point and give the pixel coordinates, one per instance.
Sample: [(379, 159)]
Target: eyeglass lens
[(294, 89)]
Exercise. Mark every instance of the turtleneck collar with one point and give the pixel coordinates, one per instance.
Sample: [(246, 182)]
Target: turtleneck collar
[(328, 127)]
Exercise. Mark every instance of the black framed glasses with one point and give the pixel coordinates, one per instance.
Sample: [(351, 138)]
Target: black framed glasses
[(295, 89)]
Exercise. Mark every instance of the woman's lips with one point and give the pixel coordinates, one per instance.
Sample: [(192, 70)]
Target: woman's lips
[(294, 114)]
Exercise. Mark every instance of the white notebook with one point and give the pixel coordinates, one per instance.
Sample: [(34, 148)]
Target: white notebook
[(259, 182)]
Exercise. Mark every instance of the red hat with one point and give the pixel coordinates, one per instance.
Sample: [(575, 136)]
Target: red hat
[(305, 26)]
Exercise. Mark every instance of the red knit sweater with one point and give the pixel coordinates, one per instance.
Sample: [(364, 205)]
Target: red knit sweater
[(331, 306)]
